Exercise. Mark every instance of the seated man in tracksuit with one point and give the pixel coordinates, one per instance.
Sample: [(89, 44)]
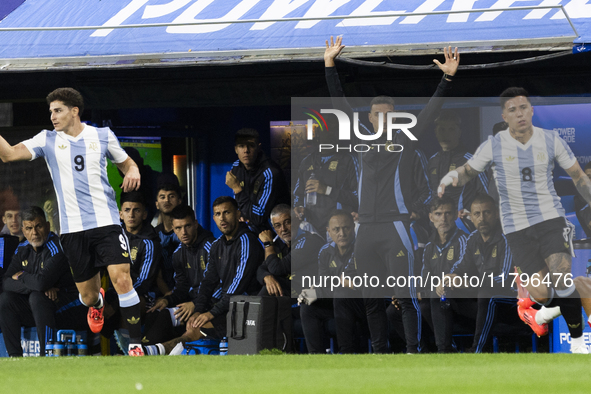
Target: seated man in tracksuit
[(146, 258), (167, 318), (441, 253), (233, 262), (8, 245), (38, 287), (487, 255), (334, 260), (277, 274)]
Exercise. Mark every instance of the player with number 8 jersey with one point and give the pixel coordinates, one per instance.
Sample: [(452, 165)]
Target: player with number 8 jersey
[(91, 235), (522, 158)]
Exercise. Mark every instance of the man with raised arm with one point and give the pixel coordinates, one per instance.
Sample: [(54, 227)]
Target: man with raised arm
[(383, 245), (522, 158), (76, 155)]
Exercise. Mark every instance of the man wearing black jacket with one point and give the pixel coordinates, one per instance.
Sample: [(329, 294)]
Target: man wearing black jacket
[(234, 260), (383, 246), (445, 248), (189, 262), (336, 182), (488, 255), (38, 286), (281, 272), (8, 244), (256, 180)]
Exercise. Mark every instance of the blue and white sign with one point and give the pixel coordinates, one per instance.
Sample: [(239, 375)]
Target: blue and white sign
[(372, 30), (572, 122)]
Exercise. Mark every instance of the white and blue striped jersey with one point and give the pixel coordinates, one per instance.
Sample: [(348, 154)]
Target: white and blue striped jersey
[(523, 175), (78, 167)]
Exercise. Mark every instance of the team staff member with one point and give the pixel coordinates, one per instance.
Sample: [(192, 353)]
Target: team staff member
[(335, 259), (189, 262), (289, 261), (443, 251), (487, 253), (336, 184), (258, 183), (275, 272), (146, 257), (168, 197), (92, 236), (533, 220), (383, 246), (37, 285), (8, 245)]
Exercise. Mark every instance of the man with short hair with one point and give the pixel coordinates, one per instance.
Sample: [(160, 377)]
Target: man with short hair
[(522, 158), (92, 236), (12, 219), (38, 286), (281, 272), (487, 255), (189, 261), (258, 183), (335, 260), (233, 261), (168, 197), (446, 246), (383, 246)]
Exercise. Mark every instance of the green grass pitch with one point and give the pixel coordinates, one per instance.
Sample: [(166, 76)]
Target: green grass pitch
[(429, 373)]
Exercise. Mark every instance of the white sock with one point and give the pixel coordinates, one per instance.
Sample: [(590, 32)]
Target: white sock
[(577, 342), (100, 301), (546, 315)]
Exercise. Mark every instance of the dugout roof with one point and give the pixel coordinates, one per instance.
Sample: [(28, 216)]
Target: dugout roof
[(103, 34)]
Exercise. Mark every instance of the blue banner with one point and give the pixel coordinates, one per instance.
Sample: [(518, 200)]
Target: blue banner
[(572, 122), (477, 29)]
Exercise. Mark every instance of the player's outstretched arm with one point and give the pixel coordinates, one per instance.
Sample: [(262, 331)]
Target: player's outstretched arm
[(10, 153), (458, 177), (452, 61), (132, 178), (332, 51), (581, 181)]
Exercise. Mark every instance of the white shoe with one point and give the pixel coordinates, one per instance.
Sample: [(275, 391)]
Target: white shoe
[(177, 350), (579, 349)]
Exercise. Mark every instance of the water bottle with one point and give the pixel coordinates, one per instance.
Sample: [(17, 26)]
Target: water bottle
[(71, 348), (49, 349), (82, 347), (311, 197), (224, 347), (444, 302), (59, 349)]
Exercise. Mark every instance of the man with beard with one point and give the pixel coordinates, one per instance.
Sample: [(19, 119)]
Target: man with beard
[(487, 255)]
